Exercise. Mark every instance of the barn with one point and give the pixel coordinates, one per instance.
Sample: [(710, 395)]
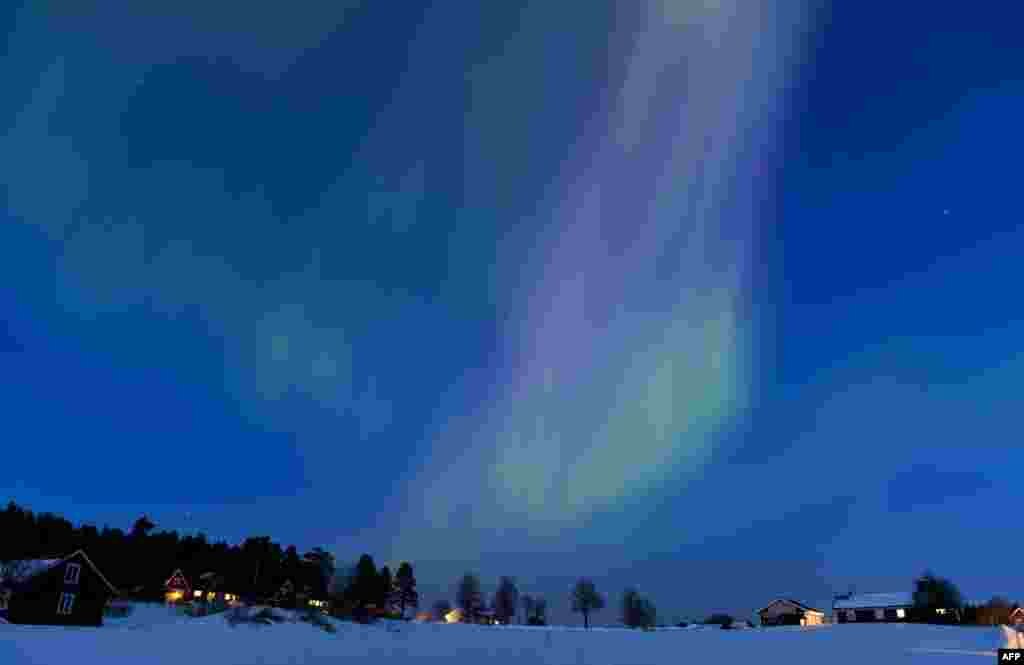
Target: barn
[(788, 612), (68, 591)]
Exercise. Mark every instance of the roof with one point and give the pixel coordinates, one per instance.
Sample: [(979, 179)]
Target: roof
[(797, 603), (177, 574), (873, 600), (26, 569), (29, 568)]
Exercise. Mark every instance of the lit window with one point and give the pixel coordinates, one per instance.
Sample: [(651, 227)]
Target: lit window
[(901, 613), (71, 573), (66, 603), (940, 611), (198, 594)]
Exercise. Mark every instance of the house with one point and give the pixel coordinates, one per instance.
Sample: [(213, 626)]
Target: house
[(176, 588), (68, 591), (319, 603), (861, 607), (788, 612)]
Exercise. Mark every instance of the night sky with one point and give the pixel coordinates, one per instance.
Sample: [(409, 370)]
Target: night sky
[(715, 298)]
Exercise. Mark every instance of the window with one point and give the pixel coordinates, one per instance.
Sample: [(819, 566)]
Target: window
[(71, 573), (197, 593), (66, 603), (901, 613)]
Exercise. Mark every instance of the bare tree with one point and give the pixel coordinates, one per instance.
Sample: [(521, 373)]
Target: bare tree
[(586, 599), (526, 601)]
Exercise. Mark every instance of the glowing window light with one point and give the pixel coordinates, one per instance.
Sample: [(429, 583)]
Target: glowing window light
[(197, 594), (901, 613)]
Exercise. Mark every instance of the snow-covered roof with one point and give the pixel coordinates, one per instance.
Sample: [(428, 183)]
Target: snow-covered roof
[(796, 603), (873, 600), (26, 569)]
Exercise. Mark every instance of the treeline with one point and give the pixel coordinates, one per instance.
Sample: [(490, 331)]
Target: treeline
[(140, 561), (508, 605), (938, 600)]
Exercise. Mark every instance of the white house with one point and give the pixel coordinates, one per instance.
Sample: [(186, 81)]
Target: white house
[(860, 607)]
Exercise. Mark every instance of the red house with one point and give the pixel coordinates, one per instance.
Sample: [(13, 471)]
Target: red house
[(177, 588)]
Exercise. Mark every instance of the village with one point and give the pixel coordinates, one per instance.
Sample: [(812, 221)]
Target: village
[(73, 591)]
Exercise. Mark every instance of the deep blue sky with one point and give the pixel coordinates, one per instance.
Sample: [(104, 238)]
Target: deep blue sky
[(721, 302)]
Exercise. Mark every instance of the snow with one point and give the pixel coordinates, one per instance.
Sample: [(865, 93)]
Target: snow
[(870, 600), (158, 636), (29, 568)]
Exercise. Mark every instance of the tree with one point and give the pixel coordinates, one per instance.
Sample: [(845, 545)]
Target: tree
[(648, 613), (506, 600), (630, 602), (384, 589), (291, 566), (440, 609), (527, 603), (405, 593), (936, 596), (323, 562), (539, 614), (586, 599), (637, 611), (142, 527), (468, 596), (366, 585)]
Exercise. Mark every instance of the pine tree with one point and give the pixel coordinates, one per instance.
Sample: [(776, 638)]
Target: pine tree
[(405, 593), (468, 596), (506, 599), (384, 589), (366, 585)]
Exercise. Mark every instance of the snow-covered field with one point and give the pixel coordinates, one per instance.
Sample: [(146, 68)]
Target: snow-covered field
[(154, 635)]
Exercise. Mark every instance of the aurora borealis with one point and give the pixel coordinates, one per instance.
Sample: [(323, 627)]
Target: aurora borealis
[(661, 286)]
